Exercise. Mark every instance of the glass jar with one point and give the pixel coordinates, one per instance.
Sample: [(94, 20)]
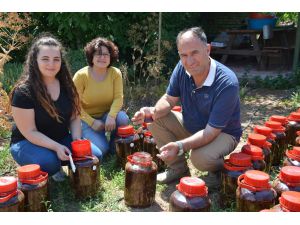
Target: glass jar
[(261, 141), (140, 180), (292, 157), (280, 138), (141, 132), (11, 199), (292, 127), (297, 141), (288, 202), (34, 184), (257, 156), (237, 164), (149, 145), (254, 193), (191, 196), (127, 142), (287, 180)]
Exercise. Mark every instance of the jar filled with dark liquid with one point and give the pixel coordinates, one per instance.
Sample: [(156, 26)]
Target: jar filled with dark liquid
[(34, 184), (280, 139), (261, 141), (287, 180), (292, 157), (257, 156), (141, 132), (11, 199), (127, 142), (297, 141), (140, 180), (191, 196), (254, 193), (85, 181), (149, 145), (292, 127), (237, 164), (288, 202)]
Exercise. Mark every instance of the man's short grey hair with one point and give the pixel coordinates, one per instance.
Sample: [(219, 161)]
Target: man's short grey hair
[(196, 31)]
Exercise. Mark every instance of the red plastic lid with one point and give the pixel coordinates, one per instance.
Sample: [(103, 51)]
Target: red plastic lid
[(294, 116), (8, 184), (281, 119), (176, 108), (298, 133), (125, 131), (192, 187), (293, 153), (254, 180), (145, 125), (148, 134), (290, 175), (29, 171), (290, 200), (81, 148), (275, 126), (237, 161), (140, 158), (254, 151), (257, 139), (263, 130)]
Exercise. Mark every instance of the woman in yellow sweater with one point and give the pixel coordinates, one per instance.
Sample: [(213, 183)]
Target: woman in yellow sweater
[(100, 89)]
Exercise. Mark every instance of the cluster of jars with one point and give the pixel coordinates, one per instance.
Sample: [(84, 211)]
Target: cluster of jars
[(245, 177)]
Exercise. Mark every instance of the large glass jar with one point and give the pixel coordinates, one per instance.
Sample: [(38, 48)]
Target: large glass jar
[(237, 164), (34, 184), (140, 180), (288, 202), (11, 199), (149, 145), (292, 157), (261, 141), (257, 156), (292, 127), (280, 138), (127, 142), (191, 196), (287, 180), (254, 192)]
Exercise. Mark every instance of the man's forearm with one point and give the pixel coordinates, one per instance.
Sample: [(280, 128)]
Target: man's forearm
[(161, 108)]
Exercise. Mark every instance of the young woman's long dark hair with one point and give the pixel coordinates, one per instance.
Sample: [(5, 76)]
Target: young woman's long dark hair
[(32, 77)]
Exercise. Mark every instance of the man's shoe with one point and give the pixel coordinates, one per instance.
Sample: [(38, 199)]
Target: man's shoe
[(171, 175), (213, 181), (60, 176)]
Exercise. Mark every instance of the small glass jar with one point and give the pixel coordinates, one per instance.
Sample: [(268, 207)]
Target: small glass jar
[(237, 164), (292, 127), (149, 145), (280, 138), (140, 180), (34, 184), (287, 180), (261, 141), (254, 193), (257, 156), (11, 199), (292, 157), (127, 142), (288, 202), (191, 196)]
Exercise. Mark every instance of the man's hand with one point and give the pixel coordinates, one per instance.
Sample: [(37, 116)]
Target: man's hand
[(98, 125), (62, 152), (168, 152), (140, 116), (110, 123)]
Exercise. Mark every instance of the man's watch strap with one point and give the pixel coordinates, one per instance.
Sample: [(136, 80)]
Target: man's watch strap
[(180, 145)]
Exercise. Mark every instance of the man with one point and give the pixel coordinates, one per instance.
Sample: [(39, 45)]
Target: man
[(209, 124)]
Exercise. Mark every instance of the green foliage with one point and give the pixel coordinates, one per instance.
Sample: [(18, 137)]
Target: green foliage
[(76, 60), (287, 17), (11, 74)]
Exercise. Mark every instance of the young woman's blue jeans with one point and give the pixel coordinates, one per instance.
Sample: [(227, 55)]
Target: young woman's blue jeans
[(99, 138), (24, 153)]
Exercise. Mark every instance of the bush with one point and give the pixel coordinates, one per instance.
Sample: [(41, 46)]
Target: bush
[(76, 60), (11, 74)]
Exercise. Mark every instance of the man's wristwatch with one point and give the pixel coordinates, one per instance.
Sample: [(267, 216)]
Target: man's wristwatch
[(180, 145)]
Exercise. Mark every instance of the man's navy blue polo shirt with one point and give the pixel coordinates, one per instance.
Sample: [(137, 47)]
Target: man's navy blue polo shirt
[(216, 103)]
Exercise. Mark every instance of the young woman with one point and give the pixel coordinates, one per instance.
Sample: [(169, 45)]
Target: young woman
[(100, 88), (45, 109)]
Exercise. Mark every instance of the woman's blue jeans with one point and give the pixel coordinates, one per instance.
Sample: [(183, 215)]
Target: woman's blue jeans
[(24, 153)]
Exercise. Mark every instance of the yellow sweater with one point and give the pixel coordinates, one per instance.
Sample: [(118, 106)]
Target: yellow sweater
[(98, 97)]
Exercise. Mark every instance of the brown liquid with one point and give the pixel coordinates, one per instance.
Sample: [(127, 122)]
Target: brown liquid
[(248, 201), (14, 206), (124, 149), (279, 149), (36, 196), (291, 128), (153, 151), (268, 159), (280, 187), (182, 203), (86, 179), (140, 185)]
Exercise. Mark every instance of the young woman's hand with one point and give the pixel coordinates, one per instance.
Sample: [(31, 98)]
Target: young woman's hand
[(62, 152), (110, 123), (98, 125)]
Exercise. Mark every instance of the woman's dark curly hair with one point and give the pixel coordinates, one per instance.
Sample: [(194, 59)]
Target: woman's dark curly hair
[(94, 46), (32, 77)]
